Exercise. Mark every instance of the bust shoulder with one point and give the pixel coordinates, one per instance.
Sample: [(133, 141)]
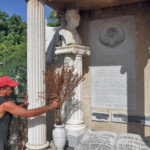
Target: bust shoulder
[(69, 37), (64, 32)]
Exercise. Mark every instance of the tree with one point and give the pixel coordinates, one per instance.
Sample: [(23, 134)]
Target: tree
[(13, 49), (54, 21)]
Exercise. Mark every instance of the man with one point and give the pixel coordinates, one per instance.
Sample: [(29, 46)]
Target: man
[(8, 108)]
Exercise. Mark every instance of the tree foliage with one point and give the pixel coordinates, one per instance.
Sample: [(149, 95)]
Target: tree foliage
[(13, 47), (13, 41), (54, 21)]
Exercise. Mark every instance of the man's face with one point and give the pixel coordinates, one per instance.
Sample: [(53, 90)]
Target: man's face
[(8, 91)]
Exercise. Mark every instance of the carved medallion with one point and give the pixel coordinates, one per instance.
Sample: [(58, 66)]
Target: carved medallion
[(112, 34)]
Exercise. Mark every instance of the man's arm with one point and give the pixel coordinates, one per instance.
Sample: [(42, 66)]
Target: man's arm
[(20, 111)]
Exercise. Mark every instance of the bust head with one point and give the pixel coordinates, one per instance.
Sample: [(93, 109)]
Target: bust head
[(69, 34), (73, 18)]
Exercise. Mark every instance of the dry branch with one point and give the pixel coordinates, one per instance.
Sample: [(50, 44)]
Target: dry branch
[(60, 82)]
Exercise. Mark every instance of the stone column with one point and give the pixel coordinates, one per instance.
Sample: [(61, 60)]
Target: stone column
[(36, 65), (73, 114), (75, 120)]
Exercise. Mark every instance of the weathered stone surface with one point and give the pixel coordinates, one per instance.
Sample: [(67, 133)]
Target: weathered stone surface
[(113, 63)]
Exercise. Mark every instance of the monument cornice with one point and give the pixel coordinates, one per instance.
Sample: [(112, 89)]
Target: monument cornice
[(87, 4)]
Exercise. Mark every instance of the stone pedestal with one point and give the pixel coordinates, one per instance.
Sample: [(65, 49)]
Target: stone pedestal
[(73, 114), (36, 65)]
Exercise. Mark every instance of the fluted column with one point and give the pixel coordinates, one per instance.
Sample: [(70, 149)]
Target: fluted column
[(75, 121), (36, 66)]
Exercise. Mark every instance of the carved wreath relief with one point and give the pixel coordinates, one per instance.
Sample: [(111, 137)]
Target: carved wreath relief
[(111, 34)]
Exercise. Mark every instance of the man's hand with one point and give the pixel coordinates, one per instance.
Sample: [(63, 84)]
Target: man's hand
[(25, 103), (26, 100), (55, 104)]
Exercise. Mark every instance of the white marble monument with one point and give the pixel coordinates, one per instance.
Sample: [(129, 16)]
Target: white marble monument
[(73, 51)]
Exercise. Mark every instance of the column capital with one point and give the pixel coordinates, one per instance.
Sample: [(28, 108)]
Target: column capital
[(73, 49)]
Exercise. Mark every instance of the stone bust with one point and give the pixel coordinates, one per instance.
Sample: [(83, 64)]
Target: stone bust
[(69, 34)]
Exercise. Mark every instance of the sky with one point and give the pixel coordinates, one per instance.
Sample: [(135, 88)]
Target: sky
[(18, 7)]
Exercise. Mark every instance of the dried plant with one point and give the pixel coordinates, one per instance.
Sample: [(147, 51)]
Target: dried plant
[(60, 82)]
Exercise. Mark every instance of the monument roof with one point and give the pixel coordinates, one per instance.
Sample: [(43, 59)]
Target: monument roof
[(87, 4)]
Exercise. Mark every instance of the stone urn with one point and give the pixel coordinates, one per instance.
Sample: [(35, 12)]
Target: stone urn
[(59, 136)]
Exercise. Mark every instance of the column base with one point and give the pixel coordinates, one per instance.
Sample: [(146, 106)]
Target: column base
[(42, 149), (37, 147), (75, 133)]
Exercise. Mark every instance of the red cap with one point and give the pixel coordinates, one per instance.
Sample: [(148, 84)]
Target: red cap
[(6, 80)]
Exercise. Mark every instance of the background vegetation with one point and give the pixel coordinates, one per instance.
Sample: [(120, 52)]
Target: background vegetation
[(13, 48), (13, 45)]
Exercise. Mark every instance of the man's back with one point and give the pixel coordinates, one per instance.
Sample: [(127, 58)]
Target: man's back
[(5, 121)]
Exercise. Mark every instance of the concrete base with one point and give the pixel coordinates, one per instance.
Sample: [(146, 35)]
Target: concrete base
[(74, 138), (72, 141)]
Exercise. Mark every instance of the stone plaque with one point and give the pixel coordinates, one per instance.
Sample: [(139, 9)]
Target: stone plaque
[(132, 119), (113, 63), (97, 116), (110, 88)]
